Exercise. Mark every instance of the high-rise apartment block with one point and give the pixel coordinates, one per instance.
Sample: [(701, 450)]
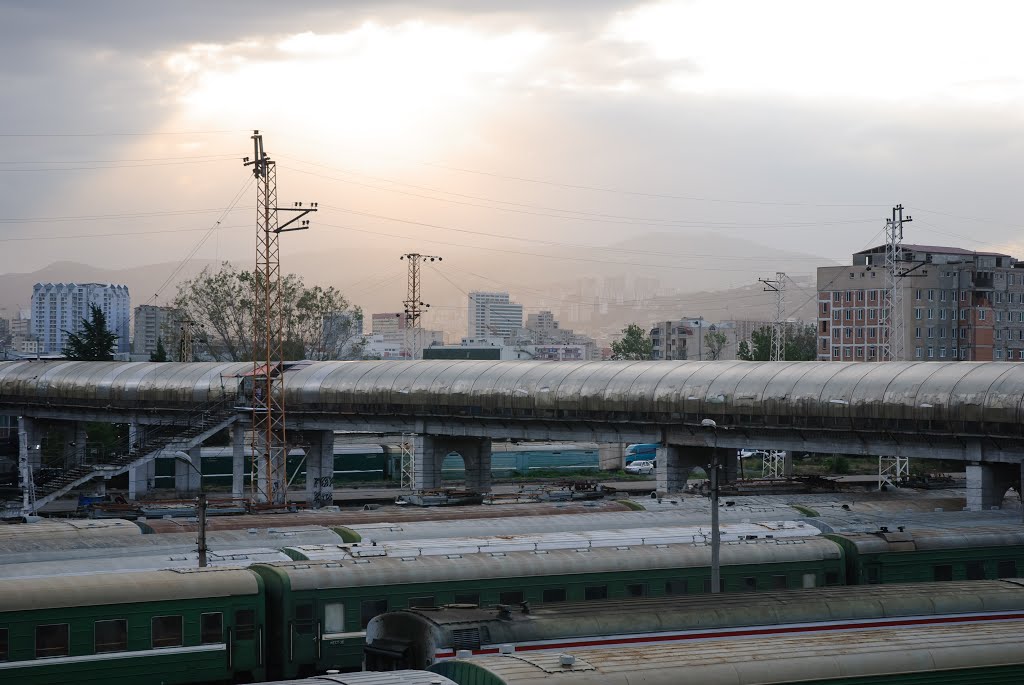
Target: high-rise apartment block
[(493, 314), (60, 308), (957, 305), (154, 323)]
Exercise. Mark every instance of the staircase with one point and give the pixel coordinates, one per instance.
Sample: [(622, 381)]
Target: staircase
[(200, 424)]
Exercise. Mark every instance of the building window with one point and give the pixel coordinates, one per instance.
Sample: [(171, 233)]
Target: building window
[(369, 608), (931, 313), (837, 314), (837, 296), (860, 315), (211, 628), (167, 631), (553, 595), (849, 296), (942, 353), (942, 296), (849, 315), (917, 313), (981, 315), (52, 640), (918, 352), (931, 352), (931, 295), (999, 354), (917, 294), (860, 332), (917, 332), (963, 315), (931, 332), (835, 352)]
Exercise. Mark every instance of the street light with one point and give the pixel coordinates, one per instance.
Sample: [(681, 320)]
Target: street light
[(200, 506), (716, 536)]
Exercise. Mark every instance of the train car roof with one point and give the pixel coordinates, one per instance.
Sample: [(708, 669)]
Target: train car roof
[(680, 612), (921, 539), (390, 513), (590, 539), (396, 570), (605, 520), (372, 678), (765, 660), (119, 563), (48, 529), (21, 594)]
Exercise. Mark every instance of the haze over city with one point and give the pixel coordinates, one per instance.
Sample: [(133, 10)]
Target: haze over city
[(705, 144)]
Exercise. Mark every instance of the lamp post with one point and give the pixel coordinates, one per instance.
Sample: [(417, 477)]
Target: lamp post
[(716, 536), (200, 507)]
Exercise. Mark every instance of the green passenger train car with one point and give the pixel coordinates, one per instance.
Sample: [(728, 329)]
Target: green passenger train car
[(319, 610), (902, 556), (201, 625)]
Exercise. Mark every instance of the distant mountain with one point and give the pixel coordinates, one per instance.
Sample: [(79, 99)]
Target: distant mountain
[(593, 289)]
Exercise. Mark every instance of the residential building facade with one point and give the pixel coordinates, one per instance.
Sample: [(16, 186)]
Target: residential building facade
[(153, 323), (956, 305), (59, 309), (493, 314), (687, 339)]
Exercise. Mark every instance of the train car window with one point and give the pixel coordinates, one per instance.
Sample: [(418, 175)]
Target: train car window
[(943, 571), (831, 577), (750, 584), (721, 584), (595, 592), (304, 619), (211, 628), (369, 608), (779, 583), (511, 597), (467, 598), (167, 631), (1007, 569), (110, 636), (421, 602), (636, 590), (975, 570), (334, 617), (52, 640), (874, 575), (553, 594), (3, 644), (675, 586), (245, 624)]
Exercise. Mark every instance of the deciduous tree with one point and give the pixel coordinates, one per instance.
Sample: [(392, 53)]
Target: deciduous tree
[(635, 344)]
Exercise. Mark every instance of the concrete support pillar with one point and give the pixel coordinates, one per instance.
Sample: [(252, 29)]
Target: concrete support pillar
[(141, 479), (987, 484), (675, 464), (78, 443), (237, 461), (611, 456), (476, 456), (187, 480), (427, 463), (320, 469)]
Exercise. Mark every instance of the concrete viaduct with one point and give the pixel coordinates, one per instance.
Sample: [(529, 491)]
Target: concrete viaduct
[(968, 411)]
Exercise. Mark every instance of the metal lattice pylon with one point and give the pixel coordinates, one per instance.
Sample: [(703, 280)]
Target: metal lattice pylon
[(408, 467), (778, 342), (414, 305), (893, 470), (893, 327), (773, 464)]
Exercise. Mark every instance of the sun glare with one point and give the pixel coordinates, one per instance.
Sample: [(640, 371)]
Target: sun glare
[(394, 86)]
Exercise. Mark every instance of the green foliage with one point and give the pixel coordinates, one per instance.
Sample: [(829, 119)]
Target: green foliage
[(634, 345), (318, 323), (160, 353), (806, 511), (95, 343), (714, 343), (840, 465), (801, 344)]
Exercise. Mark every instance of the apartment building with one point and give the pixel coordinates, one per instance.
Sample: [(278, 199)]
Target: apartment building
[(956, 305), (60, 308)]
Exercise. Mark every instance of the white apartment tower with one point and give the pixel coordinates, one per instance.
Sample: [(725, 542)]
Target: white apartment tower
[(493, 315), (59, 308)]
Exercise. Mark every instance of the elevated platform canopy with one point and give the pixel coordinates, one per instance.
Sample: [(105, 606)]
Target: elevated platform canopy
[(939, 396)]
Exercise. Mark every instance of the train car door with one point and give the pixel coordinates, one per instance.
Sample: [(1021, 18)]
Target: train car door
[(303, 640), (246, 648)]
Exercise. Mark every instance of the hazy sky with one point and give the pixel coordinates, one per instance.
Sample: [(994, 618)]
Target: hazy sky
[(507, 125)]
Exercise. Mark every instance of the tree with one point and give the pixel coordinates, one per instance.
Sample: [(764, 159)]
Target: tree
[(160, 354), (714, 343), (96, 342), (313, 319), (635, 344), (801, 344)]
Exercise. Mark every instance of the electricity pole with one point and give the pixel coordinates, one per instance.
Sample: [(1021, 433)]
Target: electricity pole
[(268, 417), (892, 311), (777, 286), (413, 305)]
